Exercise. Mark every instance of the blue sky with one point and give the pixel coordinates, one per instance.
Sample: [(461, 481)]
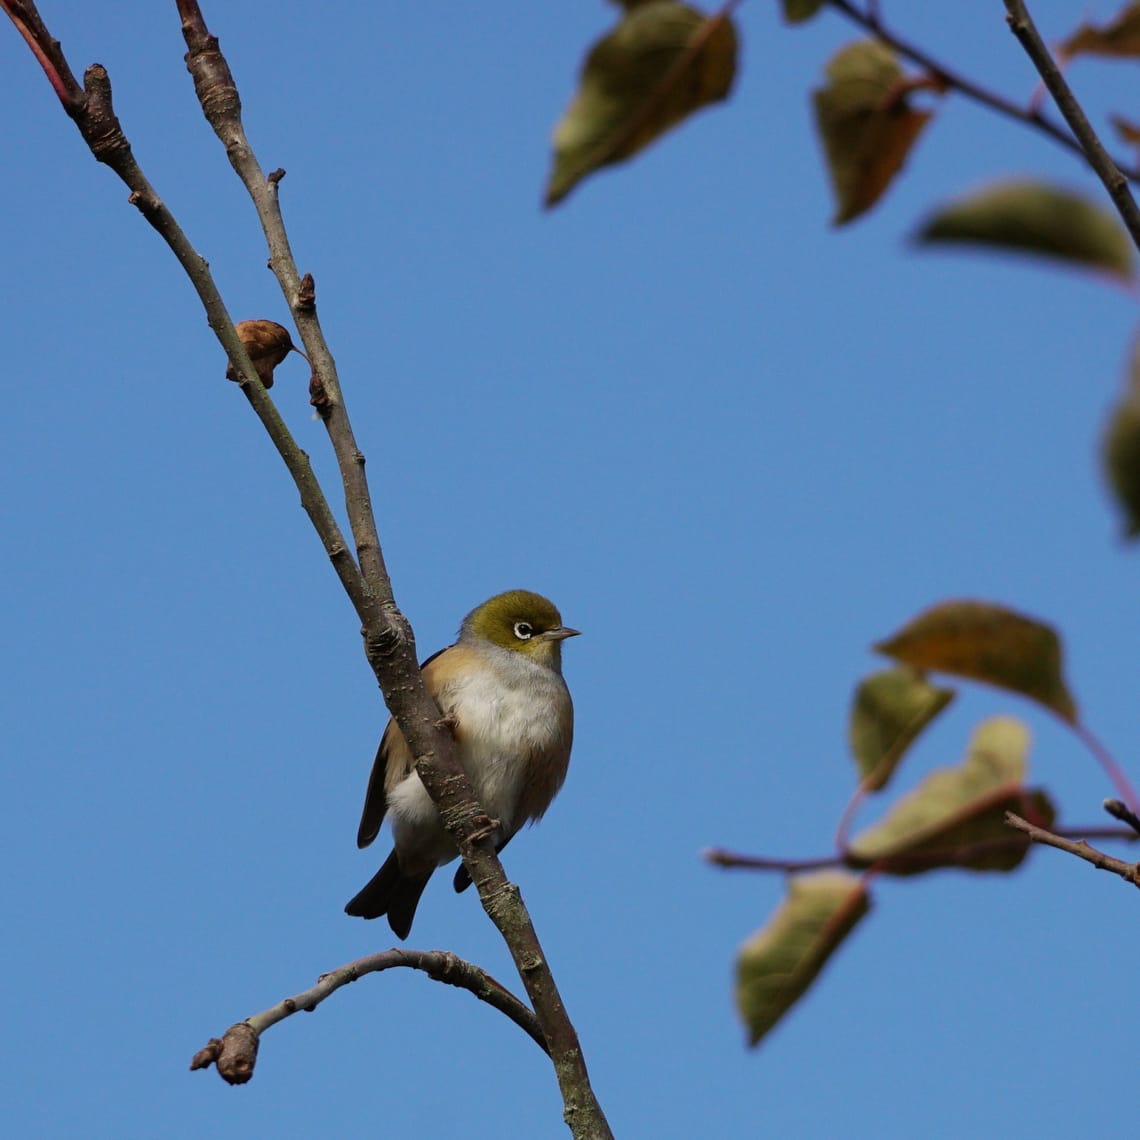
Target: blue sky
[(734, 445)]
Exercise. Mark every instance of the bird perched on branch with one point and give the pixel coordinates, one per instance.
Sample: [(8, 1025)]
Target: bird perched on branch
[(500, 688)]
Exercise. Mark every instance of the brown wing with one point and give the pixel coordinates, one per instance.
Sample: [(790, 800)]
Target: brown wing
[(393, 762)]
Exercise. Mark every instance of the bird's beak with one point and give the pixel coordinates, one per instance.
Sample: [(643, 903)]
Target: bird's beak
[(561, 633)]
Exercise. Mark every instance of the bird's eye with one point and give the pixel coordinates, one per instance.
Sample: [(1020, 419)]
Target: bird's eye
[(524, 631)]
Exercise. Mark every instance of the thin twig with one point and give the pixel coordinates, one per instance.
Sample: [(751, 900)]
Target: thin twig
[(389, 644), (92, 110), (1114, 178), (235, 1052), (218, 95), (1127, 871), (932, 859), (952, 80), (1121, 811), (721, 857)]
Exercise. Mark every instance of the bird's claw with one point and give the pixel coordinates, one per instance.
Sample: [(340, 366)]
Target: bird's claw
[(486, 828), (449, 721)]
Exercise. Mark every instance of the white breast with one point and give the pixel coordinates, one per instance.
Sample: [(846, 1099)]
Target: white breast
[(503, 726), (507, 712)]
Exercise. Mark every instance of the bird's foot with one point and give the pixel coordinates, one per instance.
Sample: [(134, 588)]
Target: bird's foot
[(485, 828), (450, 722)]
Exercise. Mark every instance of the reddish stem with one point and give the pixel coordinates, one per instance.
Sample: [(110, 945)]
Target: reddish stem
[(1105, 759)]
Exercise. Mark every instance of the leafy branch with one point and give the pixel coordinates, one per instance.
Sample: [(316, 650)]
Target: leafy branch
[(963, 855), (1115, 180), (956, 818), (947, 78)]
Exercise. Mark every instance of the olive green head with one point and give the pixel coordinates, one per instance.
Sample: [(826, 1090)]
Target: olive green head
[(522, 621)]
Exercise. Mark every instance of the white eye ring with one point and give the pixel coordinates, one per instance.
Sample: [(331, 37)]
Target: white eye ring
[(524, 631)]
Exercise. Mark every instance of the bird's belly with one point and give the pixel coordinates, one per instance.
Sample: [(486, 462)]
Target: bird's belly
[(501, 735)]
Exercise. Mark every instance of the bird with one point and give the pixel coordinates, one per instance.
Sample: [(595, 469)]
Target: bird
[(501, 691)]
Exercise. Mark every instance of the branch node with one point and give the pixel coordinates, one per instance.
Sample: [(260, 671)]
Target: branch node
[(234, 1055), (213, 82), (319, 397), (307, 295)]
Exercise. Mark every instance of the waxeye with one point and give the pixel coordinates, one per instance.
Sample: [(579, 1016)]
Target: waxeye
[(524, 631)]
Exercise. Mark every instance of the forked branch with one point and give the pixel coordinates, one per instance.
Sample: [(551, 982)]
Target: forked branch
[(388, 639)]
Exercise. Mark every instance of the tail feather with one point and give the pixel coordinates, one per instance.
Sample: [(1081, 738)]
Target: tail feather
[(462, 878), (390, 892)]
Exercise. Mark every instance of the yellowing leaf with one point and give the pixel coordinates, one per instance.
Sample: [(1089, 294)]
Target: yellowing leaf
[(890, 709), (797, 11), (660, 64), (956, 816), (1121, 449), (989, 643), (778, 963), (1035, 218), (1120, 37), (866, 125)]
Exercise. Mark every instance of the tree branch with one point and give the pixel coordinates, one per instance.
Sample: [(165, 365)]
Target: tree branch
[(92, 110), (933, 859), (235, 1052), (389, 644), (1115, 181), (388, 639), (1130, 872), (218, 95), (946, 77)]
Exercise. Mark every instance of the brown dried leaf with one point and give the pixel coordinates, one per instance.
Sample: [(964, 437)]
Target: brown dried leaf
[(866, 124), (267, 343), (1119, 38), (1127, 130), (989, 643), (661, 63)]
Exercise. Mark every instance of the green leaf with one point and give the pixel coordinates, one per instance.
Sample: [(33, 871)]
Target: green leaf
[(990, 643), (661, 63), (956, 816), (1121, 449), (1119, 38), (797, 11), (1036, 218), (890, 710), (866, 125), (778, 963)]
